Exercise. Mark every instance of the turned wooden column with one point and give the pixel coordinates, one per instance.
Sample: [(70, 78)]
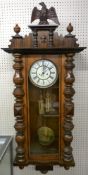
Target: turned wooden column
[(35, 39), (19, 109), (50, 38), (68, 110)]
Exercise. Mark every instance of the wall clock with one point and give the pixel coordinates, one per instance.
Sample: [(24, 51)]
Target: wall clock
[(43, 93)]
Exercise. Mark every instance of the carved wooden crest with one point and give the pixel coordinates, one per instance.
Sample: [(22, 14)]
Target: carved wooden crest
[(44, 14)]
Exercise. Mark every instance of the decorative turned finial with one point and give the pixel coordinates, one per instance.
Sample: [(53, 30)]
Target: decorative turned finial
[(16, 41), (69, 28), (70, 39), (17, 29)]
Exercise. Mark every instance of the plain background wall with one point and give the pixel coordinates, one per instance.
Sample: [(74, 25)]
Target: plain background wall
[(76, 12)]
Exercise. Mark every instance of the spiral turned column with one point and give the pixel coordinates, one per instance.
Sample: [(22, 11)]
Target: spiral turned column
[(68, 110), (19, 109)]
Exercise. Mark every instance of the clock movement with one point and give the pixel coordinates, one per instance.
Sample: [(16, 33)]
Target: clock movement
[(44, 108)]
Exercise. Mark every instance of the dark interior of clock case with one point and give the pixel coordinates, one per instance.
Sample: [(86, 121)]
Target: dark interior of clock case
[(44, 118)]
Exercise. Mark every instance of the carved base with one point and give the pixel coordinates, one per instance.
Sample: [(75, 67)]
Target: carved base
[(69, 164), (44, 168)]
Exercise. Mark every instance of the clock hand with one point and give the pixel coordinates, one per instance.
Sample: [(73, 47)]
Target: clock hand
[(44, 71), (43, 68), (43, 64)]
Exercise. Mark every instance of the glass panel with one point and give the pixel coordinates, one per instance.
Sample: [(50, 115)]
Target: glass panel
[(44, 119)]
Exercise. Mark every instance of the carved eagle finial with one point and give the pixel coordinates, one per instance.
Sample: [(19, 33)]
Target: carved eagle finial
[(44, 14)]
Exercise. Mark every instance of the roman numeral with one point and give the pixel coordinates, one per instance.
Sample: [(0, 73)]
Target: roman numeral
[(50, 68), (34, 77), (38, 80), (51, 77), (52, 72), (33, 72), (43, 82)]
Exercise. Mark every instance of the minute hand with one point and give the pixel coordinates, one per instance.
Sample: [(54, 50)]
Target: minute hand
[(44, 70)]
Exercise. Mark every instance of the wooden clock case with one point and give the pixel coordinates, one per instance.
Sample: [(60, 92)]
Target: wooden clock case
[(43, 43)]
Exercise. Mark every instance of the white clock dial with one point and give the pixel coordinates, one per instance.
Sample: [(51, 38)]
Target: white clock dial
[(43, 73)]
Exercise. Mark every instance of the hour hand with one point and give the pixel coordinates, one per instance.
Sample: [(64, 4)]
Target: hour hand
[(42, 73)]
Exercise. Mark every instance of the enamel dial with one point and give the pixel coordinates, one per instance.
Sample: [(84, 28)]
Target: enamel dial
[(43, 73)]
